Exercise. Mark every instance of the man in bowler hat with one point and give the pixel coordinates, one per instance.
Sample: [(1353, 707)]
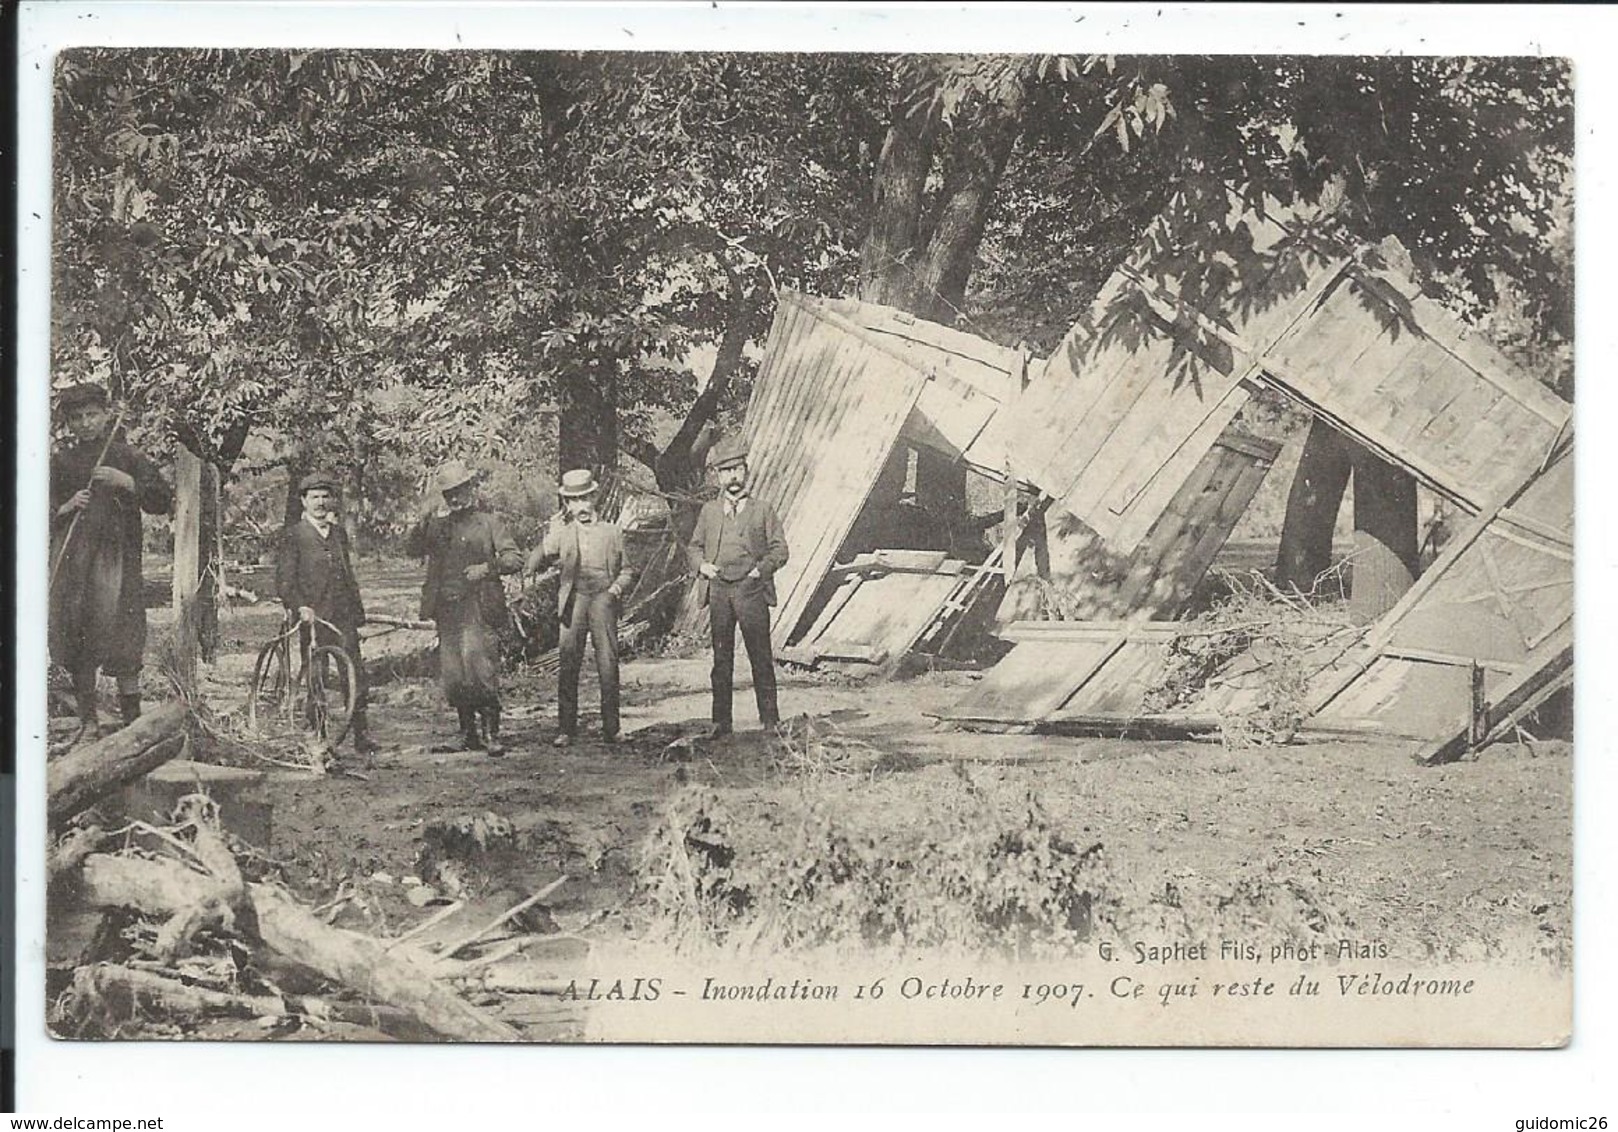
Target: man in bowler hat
[(735, 550), (99, 487), (467, 549), (314, 575), (589, 552)]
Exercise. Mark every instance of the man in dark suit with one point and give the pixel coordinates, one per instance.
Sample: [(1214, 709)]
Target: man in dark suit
[(315, 578), (735, 550), (589, 552)]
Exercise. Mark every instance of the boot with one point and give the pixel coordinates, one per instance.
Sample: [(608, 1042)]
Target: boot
[(491, 723), (470, 740), (84, 692), (129, 706), (363, 743)]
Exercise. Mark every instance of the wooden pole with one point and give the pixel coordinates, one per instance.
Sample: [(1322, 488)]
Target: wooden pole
[(1008, 552), (187, 562), (67, 537)]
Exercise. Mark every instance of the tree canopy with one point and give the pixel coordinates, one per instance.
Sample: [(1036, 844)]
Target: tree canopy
[(411, 254)]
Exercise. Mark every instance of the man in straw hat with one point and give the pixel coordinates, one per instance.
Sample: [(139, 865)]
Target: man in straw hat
[(735, 550), (589, 552), (314, 574), (99, 487), (467, 549)]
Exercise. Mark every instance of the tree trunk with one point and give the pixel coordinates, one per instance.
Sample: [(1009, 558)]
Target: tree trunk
[(588, 420), (1312, 506), (205, 609), (189, 561), (1386, 543), (898, 199), (977, 159)]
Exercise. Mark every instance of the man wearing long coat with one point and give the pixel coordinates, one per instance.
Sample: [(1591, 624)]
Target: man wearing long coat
[(100, 485), (467, 549)]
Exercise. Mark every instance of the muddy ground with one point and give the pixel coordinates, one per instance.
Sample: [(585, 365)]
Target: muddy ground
[(1471, 860)]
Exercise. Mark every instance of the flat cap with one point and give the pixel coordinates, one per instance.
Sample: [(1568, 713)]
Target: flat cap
[(731, 450)]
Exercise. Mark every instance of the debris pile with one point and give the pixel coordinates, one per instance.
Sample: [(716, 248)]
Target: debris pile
[(183, 929)]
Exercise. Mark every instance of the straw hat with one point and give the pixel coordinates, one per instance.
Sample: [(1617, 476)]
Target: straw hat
[(578, 483)]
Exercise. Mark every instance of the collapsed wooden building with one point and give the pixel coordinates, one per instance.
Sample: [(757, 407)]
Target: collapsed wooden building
[(1124, 469)]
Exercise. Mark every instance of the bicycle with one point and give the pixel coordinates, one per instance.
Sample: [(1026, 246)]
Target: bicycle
[(321, 697)]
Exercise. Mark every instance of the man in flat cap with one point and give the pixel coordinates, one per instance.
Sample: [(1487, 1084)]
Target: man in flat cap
[(314, 575), (589, 552), (467, 550), (100, 485), (735, 550)]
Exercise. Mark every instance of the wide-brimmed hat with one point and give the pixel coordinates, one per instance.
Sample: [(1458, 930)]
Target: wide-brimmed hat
[(729, 451), (578, 483), (85, 393), (317, 479), (455, 474)]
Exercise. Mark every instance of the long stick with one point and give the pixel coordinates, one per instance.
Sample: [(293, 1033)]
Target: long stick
[(450, 951), (73, 525)]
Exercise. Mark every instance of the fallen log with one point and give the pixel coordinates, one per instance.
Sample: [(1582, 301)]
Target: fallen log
[(85, 774), (517, 978), (129, 990), (364, 964), (69, 853)]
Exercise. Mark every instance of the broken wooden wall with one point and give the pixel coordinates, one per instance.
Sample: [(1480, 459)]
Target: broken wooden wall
[(1144, 386), (1500, 598), (839, 383), (1087, 579)]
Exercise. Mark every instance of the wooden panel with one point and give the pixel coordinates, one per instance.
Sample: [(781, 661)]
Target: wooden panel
[(886, 613), (1500, 596), (826, 410), (1033, 680), (1404, 697), (1119, 687), (1159, 577)]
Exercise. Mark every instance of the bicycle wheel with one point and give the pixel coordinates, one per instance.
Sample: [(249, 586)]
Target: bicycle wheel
[(268, 696), (327, 691)]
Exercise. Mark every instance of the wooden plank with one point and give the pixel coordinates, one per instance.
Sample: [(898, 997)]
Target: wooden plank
[(1032, 680), (1166, 446), (1121, 684), (833, 607), (835, 649), (1056, 632)]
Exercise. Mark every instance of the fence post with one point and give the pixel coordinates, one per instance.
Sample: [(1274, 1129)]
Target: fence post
[(187, 562)]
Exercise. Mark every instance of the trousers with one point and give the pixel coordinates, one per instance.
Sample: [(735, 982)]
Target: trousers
[(597, 616), (732, 604)]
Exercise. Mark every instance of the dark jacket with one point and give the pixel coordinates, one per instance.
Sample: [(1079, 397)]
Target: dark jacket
[(761, 532), (451, 543), (105, 550), (317, 572)]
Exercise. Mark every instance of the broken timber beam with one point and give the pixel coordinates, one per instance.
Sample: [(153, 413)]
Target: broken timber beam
[(396, 979), (87, 773)]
